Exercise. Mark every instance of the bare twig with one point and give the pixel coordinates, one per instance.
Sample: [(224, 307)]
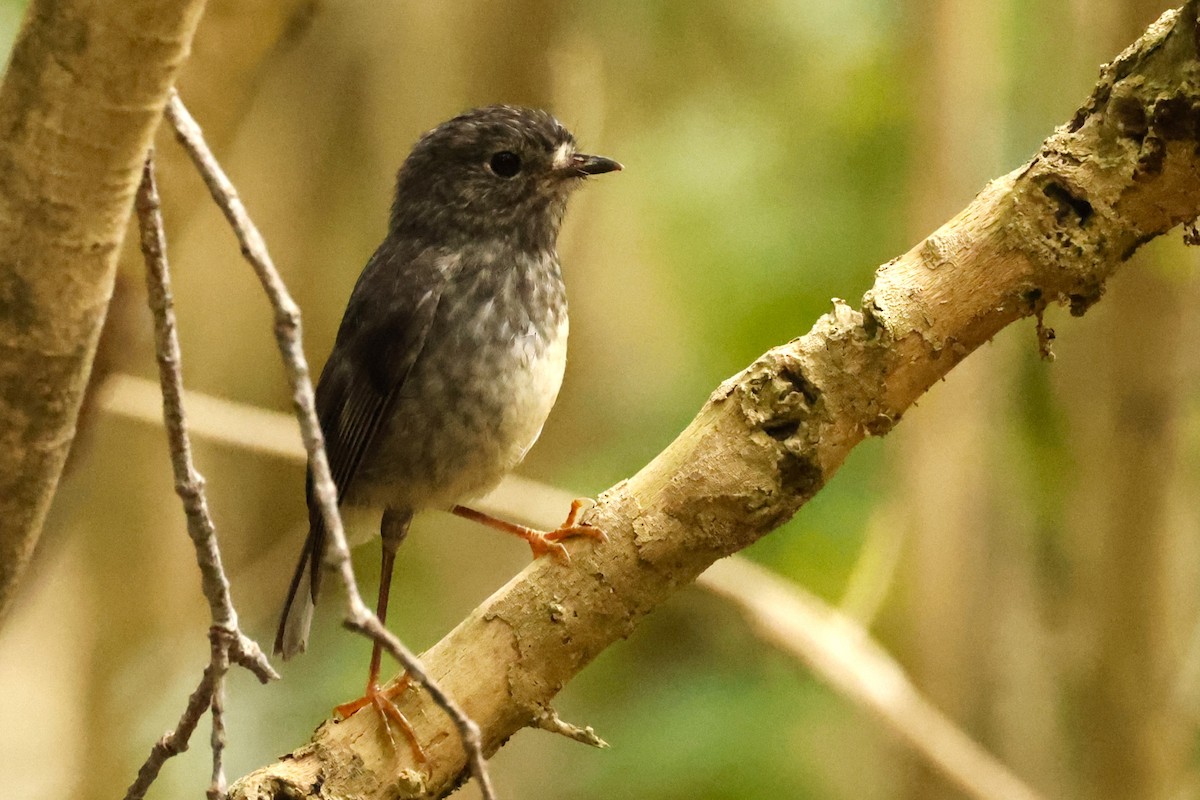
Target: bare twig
[(220, 642), (549, 720), (842, 653), (189, 484), (287, 335), (175, 741), (227, 640)]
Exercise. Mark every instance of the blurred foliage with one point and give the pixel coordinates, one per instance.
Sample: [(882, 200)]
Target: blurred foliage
[(776, 153)]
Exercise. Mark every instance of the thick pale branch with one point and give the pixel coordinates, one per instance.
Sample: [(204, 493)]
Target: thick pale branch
[(82, 96), (1123, 171), (837, 648)]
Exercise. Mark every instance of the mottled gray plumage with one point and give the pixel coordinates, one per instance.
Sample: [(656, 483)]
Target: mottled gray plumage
[(453, 344)]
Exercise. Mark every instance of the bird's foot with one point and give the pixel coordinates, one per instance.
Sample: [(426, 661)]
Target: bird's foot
[(542, 542), (382, 701)]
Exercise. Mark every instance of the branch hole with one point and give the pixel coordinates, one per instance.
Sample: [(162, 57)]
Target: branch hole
[(1068, 203), (781, 430)]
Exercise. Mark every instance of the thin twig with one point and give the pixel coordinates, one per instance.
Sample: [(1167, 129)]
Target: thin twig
[(549, 720), (227, 641), (220, 668), (189, 484), (288, 337), (174, 742)]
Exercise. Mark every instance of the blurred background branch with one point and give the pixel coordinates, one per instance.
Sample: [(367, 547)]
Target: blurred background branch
[(842, 653)]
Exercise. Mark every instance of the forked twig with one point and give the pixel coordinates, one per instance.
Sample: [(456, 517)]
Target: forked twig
[(287, 335), (228, 643)]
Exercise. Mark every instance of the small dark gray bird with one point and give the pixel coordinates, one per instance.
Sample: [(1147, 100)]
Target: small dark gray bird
[(453, 344)]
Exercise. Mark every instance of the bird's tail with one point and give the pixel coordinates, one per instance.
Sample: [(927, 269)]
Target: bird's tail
[(291, 637)]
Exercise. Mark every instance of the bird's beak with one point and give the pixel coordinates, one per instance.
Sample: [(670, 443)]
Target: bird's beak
[(582, 165)]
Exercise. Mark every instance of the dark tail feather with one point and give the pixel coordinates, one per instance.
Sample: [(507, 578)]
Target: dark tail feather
[(291, 637)]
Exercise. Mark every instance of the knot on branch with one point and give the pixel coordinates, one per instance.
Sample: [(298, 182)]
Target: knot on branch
[(779, 397), (191, 490), (1070, 208), (1151, 122), (223, 636), (287, 321), (1136, 136)]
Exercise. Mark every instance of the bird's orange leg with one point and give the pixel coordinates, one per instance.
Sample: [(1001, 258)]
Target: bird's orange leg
[(381, 698), (540, 542)]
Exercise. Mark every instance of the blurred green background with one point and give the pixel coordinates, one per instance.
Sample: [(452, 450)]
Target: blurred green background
[(1027, 542)]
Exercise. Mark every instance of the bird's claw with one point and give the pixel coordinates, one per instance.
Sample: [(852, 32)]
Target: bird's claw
[(542, 542), (381, 700)]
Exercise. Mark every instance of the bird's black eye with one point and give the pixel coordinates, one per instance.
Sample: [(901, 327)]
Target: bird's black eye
[(505, 163)]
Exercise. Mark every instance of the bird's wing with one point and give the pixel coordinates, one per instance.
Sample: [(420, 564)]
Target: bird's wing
[(382, 335)]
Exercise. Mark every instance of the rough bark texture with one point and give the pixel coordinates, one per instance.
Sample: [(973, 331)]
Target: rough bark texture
[(1123, 171), (80, 102)]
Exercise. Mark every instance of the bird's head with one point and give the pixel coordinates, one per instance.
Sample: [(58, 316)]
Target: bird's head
[(498, 172)]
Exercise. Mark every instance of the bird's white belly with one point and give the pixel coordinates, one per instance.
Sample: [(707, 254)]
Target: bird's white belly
[(531, 384), (470, 420)]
